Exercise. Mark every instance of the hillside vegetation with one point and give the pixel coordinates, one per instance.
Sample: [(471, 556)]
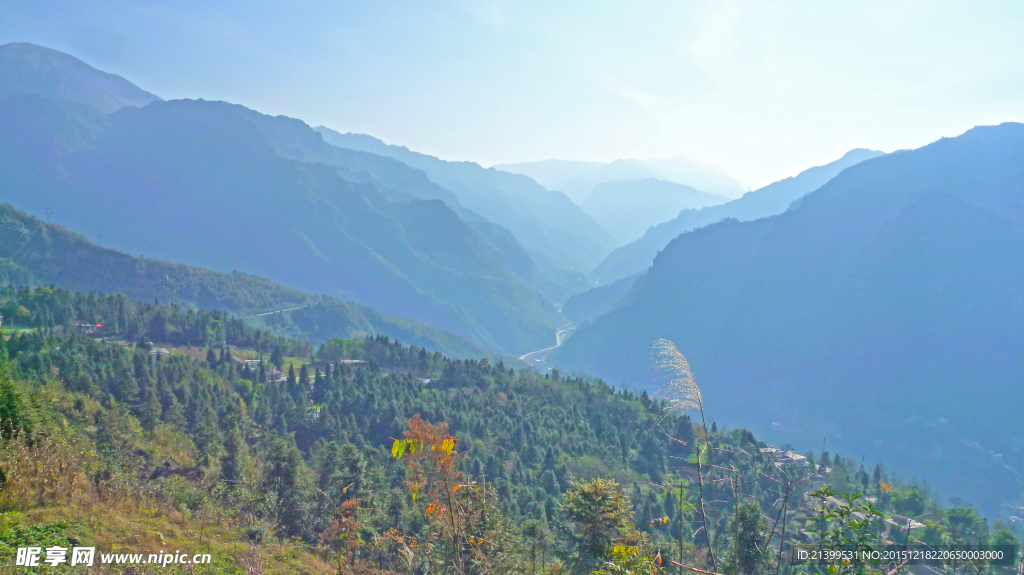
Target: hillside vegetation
[(408, 462)]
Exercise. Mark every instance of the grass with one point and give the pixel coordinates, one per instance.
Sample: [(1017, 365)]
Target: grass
[(129, 527)]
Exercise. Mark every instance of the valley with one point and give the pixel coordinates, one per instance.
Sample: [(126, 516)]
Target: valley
[(303, 339)]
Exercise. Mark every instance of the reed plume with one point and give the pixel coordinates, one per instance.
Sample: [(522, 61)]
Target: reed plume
[(682, 394), (681, 391)]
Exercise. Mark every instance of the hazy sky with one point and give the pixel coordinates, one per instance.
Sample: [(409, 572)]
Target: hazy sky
[(760, 89)]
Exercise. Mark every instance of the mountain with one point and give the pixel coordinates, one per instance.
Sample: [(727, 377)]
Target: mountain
[(626, 209), (203, 183), (36, 253), (30, 69), (580, 187), (685, 171), (555, 231), (577, 179), (884, 313), (548, 173), (292, 138), (772, 199)]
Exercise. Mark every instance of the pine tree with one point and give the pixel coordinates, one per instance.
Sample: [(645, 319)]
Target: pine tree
[(149, 411), (235, 453), (748, 549), (290, 479), (175, 414), (14, 418)]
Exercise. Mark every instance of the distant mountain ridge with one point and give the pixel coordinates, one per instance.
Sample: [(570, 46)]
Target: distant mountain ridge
[(550, 172), (581, 187), (884, 313), (31, 69), (628, 208), (577, 178), (772, 199), (554, 230), (33, 252)]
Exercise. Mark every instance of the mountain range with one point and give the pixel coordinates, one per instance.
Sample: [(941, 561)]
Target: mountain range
[(556, 232), (222, 187), (883, 312), (772, 199), (627, 208), (577, 179)]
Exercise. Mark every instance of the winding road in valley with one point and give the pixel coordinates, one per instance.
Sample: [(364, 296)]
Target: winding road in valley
[(538, 357)]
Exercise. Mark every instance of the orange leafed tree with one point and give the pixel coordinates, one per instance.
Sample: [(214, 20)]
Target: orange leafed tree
[(464, 514), (431, 457), (343, 532)]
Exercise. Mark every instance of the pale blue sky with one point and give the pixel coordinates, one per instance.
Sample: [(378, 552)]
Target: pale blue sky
[(760, 89)]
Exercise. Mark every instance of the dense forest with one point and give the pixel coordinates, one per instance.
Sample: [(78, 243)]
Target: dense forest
[(374, 456)]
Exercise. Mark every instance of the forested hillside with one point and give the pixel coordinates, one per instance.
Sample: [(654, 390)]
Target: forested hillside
[(36, 253), (408, 462), (900, 280)]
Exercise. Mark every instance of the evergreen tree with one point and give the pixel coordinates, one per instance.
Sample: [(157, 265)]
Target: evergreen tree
[(748, 552), (290, 480), (149, 411)]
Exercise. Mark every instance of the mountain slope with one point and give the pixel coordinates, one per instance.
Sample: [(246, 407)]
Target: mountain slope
[(554, 231), (292, 138), (33, 252), (626, 209), (594, 303), (201, 182), (886, 310), (769, 200), (30, 69)]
